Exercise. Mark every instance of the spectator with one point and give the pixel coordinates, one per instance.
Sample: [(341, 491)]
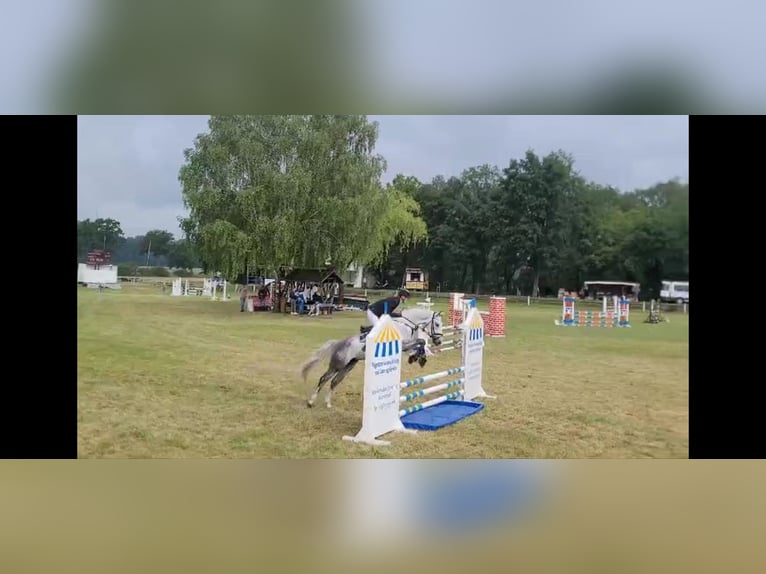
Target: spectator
[(242, 298)]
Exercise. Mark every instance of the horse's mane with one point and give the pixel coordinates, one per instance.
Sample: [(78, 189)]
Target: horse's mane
[(418, 315)]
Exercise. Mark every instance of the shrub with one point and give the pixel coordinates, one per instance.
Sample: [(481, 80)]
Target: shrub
[(153, 272), (126, 269), (183, 273)]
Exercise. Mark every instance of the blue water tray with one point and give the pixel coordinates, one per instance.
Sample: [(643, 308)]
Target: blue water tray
[(441, 415)]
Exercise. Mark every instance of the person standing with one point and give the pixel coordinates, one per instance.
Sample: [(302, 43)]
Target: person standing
[(242, 298)]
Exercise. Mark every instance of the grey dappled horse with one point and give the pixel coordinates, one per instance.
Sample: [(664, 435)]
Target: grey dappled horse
[(414, 326)]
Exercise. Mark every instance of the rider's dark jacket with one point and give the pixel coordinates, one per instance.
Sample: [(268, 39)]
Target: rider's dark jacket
[(378, 307)]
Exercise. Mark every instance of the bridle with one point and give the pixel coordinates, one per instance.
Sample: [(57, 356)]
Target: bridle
[(415, 327)]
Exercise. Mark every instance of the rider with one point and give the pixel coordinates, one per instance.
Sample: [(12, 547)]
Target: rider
[(379, 307)]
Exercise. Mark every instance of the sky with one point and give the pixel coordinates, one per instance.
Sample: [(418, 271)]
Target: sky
[(128, 165)]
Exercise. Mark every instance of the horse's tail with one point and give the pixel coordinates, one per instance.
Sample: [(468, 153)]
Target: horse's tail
[(320, 353)]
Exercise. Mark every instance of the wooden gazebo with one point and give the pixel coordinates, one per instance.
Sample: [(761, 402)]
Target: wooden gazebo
[(326, 279)]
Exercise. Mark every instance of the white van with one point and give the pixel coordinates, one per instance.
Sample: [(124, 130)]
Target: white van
[(675, 291)]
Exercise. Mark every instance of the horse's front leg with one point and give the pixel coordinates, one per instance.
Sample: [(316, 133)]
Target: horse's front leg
[(422, 351), (425, 352), (410, 345), (415, 349)]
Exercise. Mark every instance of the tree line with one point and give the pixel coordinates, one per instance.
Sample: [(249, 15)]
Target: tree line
[(156, 248), (269, 193), (537, 226)]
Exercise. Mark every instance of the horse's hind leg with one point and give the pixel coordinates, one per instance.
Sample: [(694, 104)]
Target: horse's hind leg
[(337, 379), (322, 381)]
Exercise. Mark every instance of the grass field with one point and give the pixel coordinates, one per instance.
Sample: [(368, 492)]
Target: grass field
[(186, 377)]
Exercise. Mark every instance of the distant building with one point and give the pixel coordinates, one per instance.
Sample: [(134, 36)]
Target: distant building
[(357, 276), (415, 279), (98, 270)]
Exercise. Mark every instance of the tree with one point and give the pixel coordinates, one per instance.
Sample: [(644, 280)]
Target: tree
[(99, 234), (479, 185), (181, 255), (602, 225), (655, 243), (390, 269), (303, 191), (157, 241), (536, 215), (438, 257), (456, 212), (129, 250)]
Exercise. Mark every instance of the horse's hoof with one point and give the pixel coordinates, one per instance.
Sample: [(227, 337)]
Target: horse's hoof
[(309, 404), (422, 362), (412, 359)]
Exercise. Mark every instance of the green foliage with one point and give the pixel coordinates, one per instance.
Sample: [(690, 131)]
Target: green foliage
[(130, 251), (183, 273), (304, 191), (136, 270), (98, 234), (127, 269), (536, 212), (181, 255), (153, 272), (268, 192), (157, 242), (539, 225)]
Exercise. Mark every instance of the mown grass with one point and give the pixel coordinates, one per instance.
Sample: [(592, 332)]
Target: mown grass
[(186, 377)]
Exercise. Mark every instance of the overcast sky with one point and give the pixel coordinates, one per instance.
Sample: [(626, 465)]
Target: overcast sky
[(128, 165)]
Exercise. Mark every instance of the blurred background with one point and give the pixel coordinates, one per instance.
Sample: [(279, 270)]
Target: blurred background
[(381, 56), (382, 515), (172, 57)]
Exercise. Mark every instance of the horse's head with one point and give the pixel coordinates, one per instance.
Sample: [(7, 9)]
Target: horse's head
[(425, 323), (434, 328)]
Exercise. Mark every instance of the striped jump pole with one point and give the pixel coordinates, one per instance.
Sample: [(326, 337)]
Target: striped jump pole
[(430, 390), (450, 344), (429, 378), (419, 407)]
